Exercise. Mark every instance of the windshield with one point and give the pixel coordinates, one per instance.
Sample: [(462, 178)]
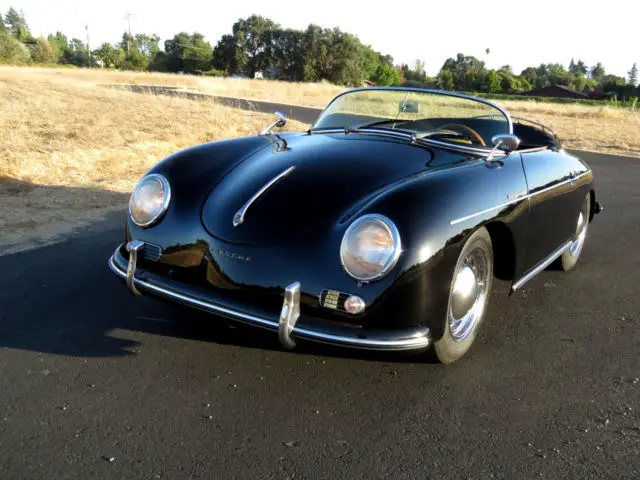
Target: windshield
[(428, 114)]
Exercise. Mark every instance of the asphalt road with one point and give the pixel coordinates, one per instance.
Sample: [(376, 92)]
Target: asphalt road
[(98, 384)]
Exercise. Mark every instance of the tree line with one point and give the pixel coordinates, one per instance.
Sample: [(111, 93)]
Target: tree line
[(259, 46)]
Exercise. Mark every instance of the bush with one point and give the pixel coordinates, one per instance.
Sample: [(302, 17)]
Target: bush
[(13, 52), (214, 72), (574, 101)]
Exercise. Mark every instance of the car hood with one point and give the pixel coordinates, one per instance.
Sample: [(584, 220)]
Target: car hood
[(328, 174)]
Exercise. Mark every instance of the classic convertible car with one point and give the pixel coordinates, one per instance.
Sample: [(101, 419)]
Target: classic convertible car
[(381, 227)]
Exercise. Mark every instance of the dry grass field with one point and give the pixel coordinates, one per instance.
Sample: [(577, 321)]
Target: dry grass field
[(71, 150), (600, 129)]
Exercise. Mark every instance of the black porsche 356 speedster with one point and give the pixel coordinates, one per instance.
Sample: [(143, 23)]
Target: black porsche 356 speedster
[(381, 227)]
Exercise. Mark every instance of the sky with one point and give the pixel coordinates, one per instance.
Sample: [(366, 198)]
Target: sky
[(517, 33)]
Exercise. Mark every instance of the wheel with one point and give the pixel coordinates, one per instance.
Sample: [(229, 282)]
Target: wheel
[(570, 257), (468, 297)]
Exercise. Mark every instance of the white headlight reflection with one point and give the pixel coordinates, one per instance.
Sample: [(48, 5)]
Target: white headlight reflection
[(149, 200), (370, 247)]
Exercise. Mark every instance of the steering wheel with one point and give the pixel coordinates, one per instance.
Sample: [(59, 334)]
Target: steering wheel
[(467, 132)]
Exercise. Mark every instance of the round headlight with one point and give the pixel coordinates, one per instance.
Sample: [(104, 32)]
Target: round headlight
[(370, 247), (149, 200)]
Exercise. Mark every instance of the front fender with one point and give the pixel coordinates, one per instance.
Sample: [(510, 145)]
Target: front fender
[(435, 214)]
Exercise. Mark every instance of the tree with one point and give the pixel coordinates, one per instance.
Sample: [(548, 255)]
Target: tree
[(415, 74), (597, 71), (146, 44), (386, 74), (253, 37), (77, 54), (288, 52), (17, 25), (43, 52), (633, 75), (493, 84), (228, 56), (188, 53), (445, 79), (530, 74), (578, 68), (12, 51), (468, 72), (557, 74), (59, 43), (109, 55)]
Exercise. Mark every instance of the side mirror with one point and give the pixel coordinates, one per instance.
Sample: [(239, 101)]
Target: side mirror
[(280, 122), (506, 142)]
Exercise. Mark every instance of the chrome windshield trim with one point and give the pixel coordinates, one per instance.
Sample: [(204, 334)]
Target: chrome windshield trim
[(541, 266), (416, 338), (238, 218), (422, 90), (516, 200)]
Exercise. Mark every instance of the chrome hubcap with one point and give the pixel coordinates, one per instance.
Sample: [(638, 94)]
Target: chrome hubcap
[(581, 234), (469, 293), (465, 292)]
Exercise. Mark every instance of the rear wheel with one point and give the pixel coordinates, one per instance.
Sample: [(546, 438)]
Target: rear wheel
[(468, 297), (569, 258)]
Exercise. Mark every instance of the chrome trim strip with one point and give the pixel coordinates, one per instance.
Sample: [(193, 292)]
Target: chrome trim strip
[(238, 218), (422, 90), (516, 200), (482, 212), (418, 338), (133, 248), (541, 266), (289, 315)]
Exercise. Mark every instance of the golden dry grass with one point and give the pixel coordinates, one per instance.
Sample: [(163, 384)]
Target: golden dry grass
[(70, 152), (601, 129)]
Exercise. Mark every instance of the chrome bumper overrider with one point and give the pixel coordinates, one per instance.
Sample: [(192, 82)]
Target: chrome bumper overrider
[(289, 325)]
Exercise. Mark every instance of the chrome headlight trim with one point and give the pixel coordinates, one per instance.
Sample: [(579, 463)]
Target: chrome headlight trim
[(165, 202), (397, 246)]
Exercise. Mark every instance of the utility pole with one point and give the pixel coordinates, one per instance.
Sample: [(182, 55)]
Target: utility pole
[(128, 16), (86, 27)]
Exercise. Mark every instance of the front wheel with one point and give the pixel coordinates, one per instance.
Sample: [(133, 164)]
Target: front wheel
[(468, 297)]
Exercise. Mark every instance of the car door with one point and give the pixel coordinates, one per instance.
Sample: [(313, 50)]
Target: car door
[(555, 201)]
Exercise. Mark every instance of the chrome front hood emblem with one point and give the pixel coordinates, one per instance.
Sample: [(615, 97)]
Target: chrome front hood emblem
[(238, 218)]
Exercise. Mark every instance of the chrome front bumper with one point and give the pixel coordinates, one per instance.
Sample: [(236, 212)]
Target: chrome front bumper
[(289, 325)]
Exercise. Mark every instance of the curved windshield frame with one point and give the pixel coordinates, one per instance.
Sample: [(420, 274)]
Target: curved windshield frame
[(432, 115)]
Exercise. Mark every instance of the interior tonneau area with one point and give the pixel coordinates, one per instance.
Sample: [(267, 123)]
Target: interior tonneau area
[(534, 135)]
